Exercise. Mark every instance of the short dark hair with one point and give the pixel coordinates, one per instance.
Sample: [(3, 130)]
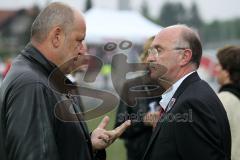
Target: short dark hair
[(192, 38), (55, 14), (229, 59)]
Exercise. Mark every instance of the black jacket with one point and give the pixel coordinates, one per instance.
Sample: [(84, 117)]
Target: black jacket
[(195, 128), (30, 126)]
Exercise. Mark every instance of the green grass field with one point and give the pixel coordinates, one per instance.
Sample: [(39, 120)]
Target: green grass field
[(117, 150)]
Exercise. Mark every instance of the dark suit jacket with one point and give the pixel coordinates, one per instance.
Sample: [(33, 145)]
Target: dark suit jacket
[(195, 128)]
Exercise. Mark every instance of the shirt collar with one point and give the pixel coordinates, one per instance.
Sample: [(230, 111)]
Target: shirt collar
[(168, 94)]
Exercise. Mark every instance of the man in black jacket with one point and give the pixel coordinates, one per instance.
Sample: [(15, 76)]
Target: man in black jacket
[(194, 125), (38, 119)]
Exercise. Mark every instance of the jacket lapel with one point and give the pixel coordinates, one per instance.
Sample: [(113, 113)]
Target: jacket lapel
[(189, 80)]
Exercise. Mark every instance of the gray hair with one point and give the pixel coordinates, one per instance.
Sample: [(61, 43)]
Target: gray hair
[(55, 14), (190, 38)]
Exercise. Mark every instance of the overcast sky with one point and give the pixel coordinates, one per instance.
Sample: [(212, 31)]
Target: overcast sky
[(209, 9)]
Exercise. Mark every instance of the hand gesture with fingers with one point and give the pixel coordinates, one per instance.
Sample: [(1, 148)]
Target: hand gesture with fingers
[(101, 138)]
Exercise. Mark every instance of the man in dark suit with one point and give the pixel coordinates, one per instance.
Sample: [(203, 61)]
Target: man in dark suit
[(194, 124)]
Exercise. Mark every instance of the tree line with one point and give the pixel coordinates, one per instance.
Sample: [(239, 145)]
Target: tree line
[(175, 13)]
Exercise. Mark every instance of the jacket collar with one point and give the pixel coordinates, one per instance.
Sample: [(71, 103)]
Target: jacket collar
[(33, 54), (56, 78), (189, 80), (233, 88), (167, 97)]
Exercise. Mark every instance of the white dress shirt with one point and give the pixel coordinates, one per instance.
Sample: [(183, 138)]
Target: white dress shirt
[(168, 94)]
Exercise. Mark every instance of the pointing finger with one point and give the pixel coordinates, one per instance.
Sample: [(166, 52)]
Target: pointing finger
[(104, 122), (119, 130)]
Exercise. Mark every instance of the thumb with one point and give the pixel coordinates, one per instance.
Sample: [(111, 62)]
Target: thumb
[(104, 122), (119, 130)]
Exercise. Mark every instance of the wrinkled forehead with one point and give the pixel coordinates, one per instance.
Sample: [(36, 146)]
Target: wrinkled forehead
[(167, 38)]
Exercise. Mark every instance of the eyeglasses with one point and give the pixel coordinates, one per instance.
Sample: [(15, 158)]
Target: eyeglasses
[(158, 51)]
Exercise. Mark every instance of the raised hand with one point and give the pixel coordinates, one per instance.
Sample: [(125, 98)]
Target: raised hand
[(101, 138)]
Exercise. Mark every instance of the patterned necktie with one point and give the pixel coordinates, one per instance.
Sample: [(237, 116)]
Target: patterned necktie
[(161, 112)]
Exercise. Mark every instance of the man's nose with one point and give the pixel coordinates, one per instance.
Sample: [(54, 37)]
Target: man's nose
[(82, 49), (151, 58)]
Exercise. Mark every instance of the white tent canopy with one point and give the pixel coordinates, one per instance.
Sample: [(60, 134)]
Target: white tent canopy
[(104, 25)]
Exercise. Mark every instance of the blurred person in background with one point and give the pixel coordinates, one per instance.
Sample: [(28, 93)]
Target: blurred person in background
[(228, 76), (8, 63), (38, 119), (143, 116)]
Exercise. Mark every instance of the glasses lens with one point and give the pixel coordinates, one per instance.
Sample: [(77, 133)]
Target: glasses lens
[(153, 51)]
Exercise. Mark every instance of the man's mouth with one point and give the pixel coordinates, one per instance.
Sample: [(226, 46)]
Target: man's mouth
[(152, 66), (160, 69)]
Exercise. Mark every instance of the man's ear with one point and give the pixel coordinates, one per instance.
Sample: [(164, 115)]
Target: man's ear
[(56, 37), (186, 57)]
